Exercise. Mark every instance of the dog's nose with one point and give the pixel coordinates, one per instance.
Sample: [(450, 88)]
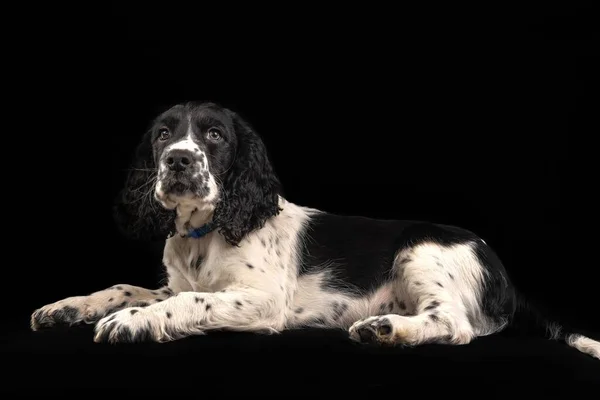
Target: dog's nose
[(179, 160)]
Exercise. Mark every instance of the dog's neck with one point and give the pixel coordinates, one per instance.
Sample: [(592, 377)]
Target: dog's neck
[(191, 216)]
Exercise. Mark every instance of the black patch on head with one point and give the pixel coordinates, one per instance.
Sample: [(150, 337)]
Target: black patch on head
[(128, 294), (250, 265), (208, 306), (238, 304), (169, 315), (133, 311), (439, 284), (199, 299)]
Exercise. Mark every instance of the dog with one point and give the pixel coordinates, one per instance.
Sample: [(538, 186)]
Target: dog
[(240, 257)]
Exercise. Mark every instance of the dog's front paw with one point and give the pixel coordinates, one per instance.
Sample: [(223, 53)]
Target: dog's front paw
[(68, 312), (130, 325)]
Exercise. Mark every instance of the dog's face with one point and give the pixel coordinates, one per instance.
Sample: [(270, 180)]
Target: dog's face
[(194, 147), (204, 156)]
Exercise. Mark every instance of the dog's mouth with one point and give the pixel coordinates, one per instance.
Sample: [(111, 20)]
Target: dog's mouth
[(174, 189)]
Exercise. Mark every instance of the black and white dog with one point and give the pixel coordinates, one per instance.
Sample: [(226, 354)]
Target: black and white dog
[(241, 257)]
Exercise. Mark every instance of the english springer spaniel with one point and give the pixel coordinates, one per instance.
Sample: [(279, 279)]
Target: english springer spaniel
[(239, 256)]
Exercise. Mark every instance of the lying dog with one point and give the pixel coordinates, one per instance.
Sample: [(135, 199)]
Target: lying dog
[(241, 257)]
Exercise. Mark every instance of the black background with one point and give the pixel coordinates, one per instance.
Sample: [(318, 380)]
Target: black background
[(472, 117)]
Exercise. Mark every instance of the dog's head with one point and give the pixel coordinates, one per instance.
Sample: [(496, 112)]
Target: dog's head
[(203, 156)]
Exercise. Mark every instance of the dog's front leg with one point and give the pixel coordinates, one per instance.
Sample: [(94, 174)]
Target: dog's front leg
[(193, 313), (89, 309)]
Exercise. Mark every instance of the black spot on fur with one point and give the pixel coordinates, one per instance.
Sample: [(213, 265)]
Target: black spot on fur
[(208, 306), (434, 317), (142, 304), (250, 265), (128, 294), (169, 315), (299, 310), (432, 305), (439, 284), (158, 300), (133, 311), (451, 276), (338, 310), (110, 300), (402, 305), (238, 303), (199, 299)]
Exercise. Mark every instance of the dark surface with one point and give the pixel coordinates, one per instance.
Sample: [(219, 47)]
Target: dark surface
[(467, 117), (294, 362)]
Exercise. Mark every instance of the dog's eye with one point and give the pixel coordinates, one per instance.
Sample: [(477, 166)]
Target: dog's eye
[(164, 134), (214, 134)]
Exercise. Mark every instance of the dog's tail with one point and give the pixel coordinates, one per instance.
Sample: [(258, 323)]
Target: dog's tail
[(527, 317)]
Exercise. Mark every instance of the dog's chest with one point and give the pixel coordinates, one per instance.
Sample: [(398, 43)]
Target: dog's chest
[(191, 261)]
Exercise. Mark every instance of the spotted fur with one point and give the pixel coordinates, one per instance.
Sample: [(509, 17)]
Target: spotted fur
[(269, 265)]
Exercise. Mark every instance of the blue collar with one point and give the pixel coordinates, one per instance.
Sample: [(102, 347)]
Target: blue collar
[(201, 231)]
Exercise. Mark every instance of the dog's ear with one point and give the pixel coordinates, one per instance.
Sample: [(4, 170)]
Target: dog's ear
[(137, 213), (250, 190)]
